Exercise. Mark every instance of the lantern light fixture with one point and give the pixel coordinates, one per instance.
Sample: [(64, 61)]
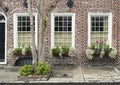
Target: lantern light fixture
[(25, 4), (70, 3)]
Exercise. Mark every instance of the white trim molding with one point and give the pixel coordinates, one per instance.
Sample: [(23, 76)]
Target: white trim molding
[(15, 34), (109, 26), (5, 61), (53, 15)]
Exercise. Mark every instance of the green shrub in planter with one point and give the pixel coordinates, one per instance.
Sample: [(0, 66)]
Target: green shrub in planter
[(26, 70), (42, 68), (65, 51), (28, 51), (17, 51), (56, 51)]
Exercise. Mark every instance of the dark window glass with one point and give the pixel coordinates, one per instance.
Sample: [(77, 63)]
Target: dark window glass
[(101, 23), (65, 19), (69, 29), (28, 23), (24, 18), (92, 19), (56, 18), (61, 23), (65, 24), (93, 29), (65, 29), (101, 19), (69, 23), (69, 18), (97, 24), (60, 29), (56, 24), (28, 18), (19, 18), (101, 29), (24, 29), (60, 19), (24, 23), (97, 18), (19, 28), (97, 29), (56, 29)]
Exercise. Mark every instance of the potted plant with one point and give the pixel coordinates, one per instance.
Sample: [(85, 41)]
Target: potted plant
[(100, 49), (89, 53), (27, 51), (17, 51), (65, 51), (113, 53), (56, 51), (71, 52)]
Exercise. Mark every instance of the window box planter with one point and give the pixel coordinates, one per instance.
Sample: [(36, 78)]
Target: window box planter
[(21, 52), (56, 52), (65, 51), (103, 59), (17, 54), (65, 55), (91, 54), (60, 52), (55, 55)]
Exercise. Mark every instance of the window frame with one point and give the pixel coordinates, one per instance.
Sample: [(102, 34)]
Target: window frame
[(53, 15), (15, 34), (109, 26)]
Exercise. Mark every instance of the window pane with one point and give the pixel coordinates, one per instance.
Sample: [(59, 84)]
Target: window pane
[(56, 29), (24, 34), (63, 31), (56, 18), (99, 28)]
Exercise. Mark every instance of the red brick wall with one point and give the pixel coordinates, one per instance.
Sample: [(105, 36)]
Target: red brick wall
[(81, 9)]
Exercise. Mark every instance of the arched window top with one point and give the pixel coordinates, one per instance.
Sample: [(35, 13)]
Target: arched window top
[(2, 17)]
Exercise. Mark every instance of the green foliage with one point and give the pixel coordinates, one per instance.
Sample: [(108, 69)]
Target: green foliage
[(92, 47), (97, 51), (17, 51), (65, 49), (28, 50), (42, 68), (107, 49), (56, 50), (26, 70)]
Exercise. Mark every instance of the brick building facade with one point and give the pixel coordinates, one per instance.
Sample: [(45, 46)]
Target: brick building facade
[(79, 16)]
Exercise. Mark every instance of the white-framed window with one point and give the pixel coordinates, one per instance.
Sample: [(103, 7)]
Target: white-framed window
[(62, 29), (22, 33), (100, 28)]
